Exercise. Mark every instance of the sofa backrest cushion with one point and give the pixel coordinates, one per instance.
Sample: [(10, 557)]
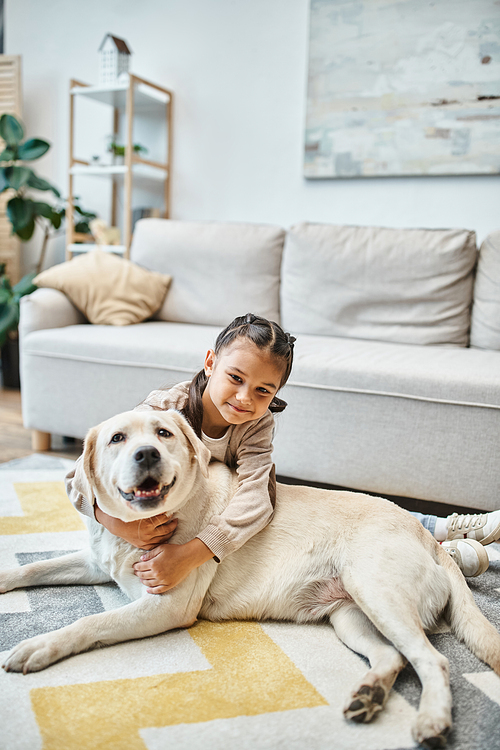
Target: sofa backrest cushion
[(485, 324), (411, 286), (219, 269)]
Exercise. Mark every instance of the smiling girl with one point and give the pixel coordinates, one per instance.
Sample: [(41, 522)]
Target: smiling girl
[(230, 405)]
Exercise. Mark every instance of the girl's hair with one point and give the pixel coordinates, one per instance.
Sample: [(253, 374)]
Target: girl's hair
[(267, 336)]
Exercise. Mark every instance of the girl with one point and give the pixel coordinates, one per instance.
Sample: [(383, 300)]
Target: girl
[(230, 405)]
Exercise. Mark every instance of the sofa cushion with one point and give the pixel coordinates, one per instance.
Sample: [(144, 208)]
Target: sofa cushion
[(410, 286), (219, 270), (485, 324), (107, 289), (442, 374)]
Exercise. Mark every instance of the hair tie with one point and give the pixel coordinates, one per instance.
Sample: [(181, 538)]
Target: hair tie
[(291, 339), (249, 318)]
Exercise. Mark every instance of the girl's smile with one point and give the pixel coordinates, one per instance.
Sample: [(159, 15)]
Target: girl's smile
[(242, 382)]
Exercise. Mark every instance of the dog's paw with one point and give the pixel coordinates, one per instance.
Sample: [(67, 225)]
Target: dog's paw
[(431, 732), (8, 580), (365, 703), (32, 655)]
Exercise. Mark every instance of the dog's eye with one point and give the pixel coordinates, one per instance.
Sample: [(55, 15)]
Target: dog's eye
[(164, 433), (118, 437)]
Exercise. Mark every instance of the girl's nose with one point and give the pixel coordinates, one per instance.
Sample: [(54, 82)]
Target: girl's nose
[(243, 396)]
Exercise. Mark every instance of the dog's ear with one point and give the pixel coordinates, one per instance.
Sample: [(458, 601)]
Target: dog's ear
[(201, 452), (84, 481)]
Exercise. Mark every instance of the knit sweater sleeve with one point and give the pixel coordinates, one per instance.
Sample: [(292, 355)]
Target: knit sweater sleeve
[(250, 509)]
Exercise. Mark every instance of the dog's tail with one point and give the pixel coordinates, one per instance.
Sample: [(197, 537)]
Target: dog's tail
[(466, 620)]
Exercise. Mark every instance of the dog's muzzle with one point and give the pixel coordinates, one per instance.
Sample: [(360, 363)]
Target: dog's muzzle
[(148, 490)]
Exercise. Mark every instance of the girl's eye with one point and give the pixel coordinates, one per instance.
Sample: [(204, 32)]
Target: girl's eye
[(264, 391), (118, 437), (235, 378), (164, 433)]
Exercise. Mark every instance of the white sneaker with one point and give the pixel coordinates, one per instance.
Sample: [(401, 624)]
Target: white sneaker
[(483, 527), (469, 555)]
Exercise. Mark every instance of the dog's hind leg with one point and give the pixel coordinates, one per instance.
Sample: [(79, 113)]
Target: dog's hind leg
[(395, 612), (355, 630), (75, 568)]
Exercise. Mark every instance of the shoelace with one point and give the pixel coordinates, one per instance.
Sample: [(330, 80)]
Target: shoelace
[(467, 522)]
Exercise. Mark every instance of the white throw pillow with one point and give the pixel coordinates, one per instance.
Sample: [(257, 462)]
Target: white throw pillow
[(410, 286)]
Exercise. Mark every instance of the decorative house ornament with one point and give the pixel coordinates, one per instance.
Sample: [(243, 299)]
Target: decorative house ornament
[(114, 60)]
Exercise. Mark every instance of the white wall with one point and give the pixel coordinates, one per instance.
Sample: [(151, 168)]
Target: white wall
[(239, 70)]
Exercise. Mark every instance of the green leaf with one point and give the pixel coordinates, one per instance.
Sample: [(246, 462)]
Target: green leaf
[(33, 149), (11, 130), (8, 154), (42, 209), (25, 286), (4, 185), (17, 176), (37, 183), (5, 282), (5, 297), (86, 214), (20, 213), (56, 218), (27, 232)]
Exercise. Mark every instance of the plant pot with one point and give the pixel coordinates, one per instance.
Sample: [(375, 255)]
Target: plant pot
[(10, 364)]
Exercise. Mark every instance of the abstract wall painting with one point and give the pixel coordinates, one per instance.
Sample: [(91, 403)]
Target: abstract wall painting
[(403, 87)]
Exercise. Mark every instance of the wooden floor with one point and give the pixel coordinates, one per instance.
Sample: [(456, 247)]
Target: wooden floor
[(15, 440)]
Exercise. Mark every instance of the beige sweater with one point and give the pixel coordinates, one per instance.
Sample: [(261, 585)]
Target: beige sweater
[(249, 450)]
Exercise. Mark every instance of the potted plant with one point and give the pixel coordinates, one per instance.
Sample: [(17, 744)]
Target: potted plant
[(118, 150), (25, 213)]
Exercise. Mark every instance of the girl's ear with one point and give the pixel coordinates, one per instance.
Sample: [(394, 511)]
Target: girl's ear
[(209, 363)]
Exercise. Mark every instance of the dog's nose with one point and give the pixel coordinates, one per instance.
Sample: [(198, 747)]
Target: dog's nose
[(147, 455)]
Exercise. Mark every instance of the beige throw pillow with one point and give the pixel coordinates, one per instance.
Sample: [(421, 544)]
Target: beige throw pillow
[(107, 289)]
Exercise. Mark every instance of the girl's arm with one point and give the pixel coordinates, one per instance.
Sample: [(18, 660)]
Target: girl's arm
[(146, 533), (252, 505)]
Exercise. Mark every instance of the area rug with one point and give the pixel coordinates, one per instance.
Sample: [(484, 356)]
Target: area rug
[(243, 685)]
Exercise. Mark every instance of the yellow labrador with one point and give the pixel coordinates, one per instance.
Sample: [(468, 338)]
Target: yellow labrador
[(361, 562)]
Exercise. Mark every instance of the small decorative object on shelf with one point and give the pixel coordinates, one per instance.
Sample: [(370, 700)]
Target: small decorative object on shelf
[(114, 59), (118, 151), (103, 234)]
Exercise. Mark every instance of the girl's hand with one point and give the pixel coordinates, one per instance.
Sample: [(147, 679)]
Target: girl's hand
[(146, 533), (167, 565)]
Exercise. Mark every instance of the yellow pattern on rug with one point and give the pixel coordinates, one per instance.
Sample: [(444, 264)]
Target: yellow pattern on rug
[(46, 508), (251, 675)]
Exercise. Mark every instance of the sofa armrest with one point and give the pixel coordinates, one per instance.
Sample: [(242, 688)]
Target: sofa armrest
[(47, 308)]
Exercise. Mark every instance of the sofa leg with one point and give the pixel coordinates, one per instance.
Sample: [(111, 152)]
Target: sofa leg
[(40, 441)]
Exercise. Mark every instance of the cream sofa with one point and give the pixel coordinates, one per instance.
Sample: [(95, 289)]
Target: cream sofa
[(396, 383)]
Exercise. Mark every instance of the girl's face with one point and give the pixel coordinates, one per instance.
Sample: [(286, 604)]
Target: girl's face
[(242, 381)]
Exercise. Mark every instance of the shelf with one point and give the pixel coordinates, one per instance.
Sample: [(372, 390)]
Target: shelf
[(143, 110), (146, 98), (140, 170), (85, 247)]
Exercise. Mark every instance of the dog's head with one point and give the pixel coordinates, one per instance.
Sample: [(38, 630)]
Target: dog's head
[(141, 463)]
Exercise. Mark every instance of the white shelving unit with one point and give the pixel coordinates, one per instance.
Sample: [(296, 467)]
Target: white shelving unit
[(130, 101)]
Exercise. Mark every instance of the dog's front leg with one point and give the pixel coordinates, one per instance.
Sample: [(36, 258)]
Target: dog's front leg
[(75, 568), (147, 616)]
